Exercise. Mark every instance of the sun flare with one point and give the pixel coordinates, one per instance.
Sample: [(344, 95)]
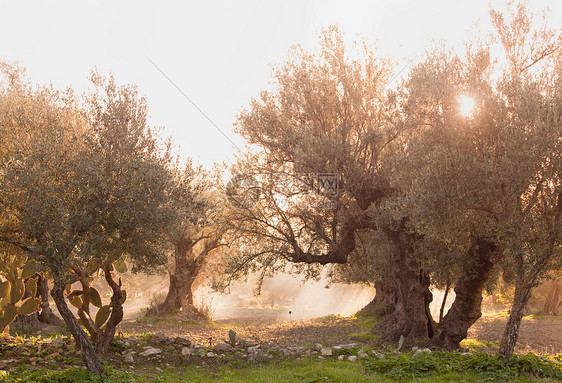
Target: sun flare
[(466, 104)]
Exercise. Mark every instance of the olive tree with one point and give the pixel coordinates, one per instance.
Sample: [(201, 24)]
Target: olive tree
[(485, 182), (88, 185), (320, 141)]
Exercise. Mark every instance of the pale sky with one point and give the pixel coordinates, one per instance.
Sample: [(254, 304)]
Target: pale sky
[(219, 53)]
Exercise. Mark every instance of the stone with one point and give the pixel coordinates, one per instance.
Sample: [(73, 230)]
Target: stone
[(151, 351), (159, 337), (211, 355), (129, 359), (426, 350), (253, 349), (326, 351), (182, 340), (352, 358), (362, 354), (348, 346), (341, 357), (317, 347), (186, 351), (222, 347)]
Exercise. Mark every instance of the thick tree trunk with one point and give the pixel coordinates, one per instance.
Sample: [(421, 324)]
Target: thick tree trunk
[(46, 315), (87, 350), (384, 301), (467, 307), (511, 332), (186, 270), (411, 317)]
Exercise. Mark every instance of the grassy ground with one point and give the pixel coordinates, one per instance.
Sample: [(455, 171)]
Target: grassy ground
[(52, 356), (308, 370)]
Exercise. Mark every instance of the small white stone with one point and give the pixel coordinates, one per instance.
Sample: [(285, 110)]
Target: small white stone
[(253, 349), (352, 358), (341, 357), (151, 351), (326, 351)]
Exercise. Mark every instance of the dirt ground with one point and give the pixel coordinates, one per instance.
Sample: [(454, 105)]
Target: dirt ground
[(538, 334), (541, 334), (329, 331)]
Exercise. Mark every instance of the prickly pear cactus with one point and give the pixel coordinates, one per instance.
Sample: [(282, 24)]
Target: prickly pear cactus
[(75, 297), (13, 286)]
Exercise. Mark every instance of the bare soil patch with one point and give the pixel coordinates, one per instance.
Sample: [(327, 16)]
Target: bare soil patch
[(541, 335), (538, 334), (328, 331)]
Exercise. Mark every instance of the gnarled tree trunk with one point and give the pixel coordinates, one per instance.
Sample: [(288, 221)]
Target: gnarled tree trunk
[(410, 317), (180, 293), (467, 307), (187, 266), (384, 301)]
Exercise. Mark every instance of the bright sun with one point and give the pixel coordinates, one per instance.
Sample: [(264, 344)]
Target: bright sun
[(466, 105)]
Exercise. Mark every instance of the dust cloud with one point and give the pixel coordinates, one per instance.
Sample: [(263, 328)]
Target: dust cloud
[(286, 297), (283, 297)]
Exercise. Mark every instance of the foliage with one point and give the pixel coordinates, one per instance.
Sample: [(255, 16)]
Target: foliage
[(84, 185), (70, 375), (488, 367), (430, 367), (326, 118), (18, 290)]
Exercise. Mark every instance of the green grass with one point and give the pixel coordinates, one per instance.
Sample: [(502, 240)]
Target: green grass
[(478, 345), (426, 367), (365, 335)]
